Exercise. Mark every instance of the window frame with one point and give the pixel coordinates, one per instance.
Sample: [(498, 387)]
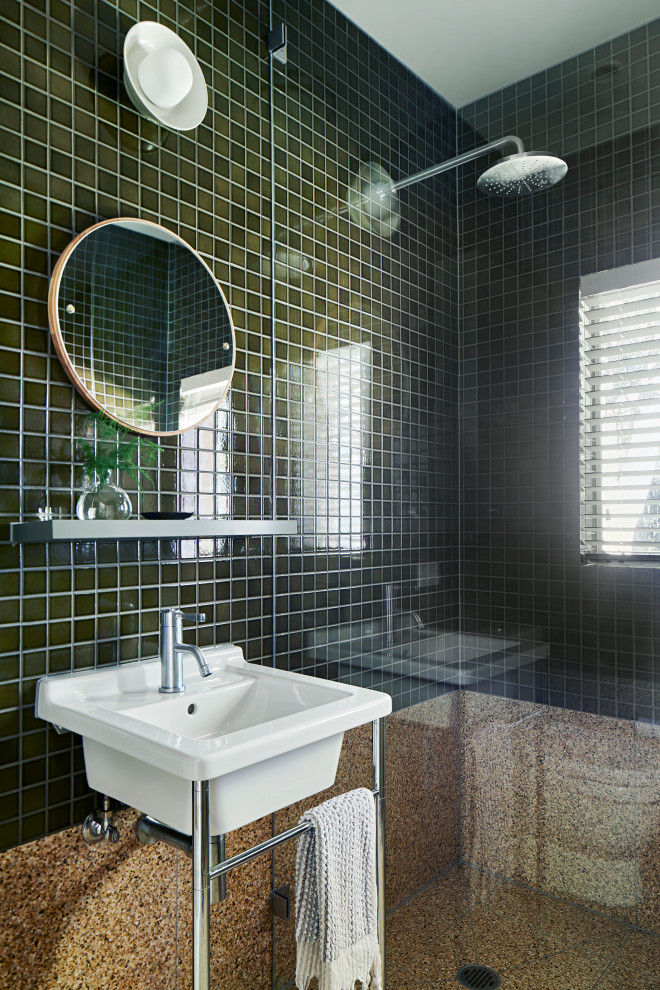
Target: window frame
[(622, 280)]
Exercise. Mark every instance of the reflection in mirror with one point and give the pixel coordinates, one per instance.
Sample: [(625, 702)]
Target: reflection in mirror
[(336, 417), (142, 327)]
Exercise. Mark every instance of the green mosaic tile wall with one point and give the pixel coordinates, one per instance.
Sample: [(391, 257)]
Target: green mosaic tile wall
[(74, 151)]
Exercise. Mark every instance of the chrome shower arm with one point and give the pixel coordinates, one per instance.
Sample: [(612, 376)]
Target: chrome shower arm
[(467, 156)]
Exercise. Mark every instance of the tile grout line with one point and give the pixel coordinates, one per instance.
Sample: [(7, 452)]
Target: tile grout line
[(425, 887), (606, 969)]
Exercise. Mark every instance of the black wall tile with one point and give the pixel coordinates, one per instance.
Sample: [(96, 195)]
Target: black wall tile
[(520, 266)]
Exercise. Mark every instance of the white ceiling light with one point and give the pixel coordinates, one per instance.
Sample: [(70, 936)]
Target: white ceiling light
[(163, 78)]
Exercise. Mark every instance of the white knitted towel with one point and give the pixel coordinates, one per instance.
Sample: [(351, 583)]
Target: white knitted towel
[(336, 899)]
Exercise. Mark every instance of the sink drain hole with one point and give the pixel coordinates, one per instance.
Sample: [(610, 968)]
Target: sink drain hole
[(191, 709), (478, 978)]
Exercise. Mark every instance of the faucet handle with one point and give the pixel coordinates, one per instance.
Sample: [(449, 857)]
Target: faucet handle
[(174, 616), (192, 616)]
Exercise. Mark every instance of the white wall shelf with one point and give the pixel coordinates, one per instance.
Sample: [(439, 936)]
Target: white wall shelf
[(55, 530)]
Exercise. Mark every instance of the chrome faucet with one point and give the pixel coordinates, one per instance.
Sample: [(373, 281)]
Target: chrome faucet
[(171, 648), (393, 615)]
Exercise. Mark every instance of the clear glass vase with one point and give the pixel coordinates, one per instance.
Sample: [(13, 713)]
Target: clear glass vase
[(103, 500)]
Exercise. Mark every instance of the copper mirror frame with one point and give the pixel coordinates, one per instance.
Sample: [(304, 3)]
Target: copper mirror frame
[(141, 326)]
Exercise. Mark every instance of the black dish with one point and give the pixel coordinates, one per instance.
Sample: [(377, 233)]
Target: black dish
[(166, 515)]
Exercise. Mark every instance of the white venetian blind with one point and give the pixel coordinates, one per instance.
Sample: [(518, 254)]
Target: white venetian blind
[(620, 412)]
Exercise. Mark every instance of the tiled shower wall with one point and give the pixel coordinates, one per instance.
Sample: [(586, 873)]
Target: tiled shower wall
[(563, 802), (521, 261), (366, 342), (74, 151)]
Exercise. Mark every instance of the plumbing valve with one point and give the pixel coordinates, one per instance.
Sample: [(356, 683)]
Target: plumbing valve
[(99, 826)]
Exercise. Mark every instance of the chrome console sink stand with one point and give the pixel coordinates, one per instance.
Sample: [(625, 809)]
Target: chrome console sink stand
[(204, 873)]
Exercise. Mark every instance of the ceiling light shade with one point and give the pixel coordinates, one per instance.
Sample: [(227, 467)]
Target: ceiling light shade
[(163, 78)]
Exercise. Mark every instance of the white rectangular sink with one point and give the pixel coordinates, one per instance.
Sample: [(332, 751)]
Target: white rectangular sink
[(263, 737)]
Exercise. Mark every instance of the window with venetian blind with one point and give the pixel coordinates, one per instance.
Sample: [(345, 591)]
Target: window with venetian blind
[(620, 413)]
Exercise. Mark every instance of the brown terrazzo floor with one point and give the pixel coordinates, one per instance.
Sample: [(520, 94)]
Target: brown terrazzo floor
[(532, 940)]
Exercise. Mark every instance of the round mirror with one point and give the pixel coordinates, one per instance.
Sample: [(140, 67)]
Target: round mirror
[(141, 326)]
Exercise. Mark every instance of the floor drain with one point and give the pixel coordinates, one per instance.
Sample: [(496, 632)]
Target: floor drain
[(478, 978)]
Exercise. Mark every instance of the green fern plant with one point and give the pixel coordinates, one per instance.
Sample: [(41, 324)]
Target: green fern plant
[(108, 446)]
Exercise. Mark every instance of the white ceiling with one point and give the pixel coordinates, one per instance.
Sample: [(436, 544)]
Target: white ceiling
[(465, 49)]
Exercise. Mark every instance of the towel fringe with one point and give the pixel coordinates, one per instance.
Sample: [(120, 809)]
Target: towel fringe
[(361, 962)]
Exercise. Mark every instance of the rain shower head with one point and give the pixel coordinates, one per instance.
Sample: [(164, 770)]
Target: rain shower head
[(373, 199), (524, 172)]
